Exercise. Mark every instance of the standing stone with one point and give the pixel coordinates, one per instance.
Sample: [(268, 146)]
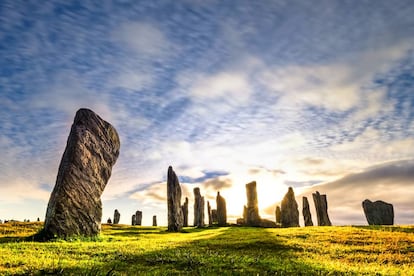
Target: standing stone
[(117, 216), (109, 221), (138, 217), (321, 206), (175, 214), (134, 220), (214, 216), (289, 210), (184, 209), (278, 214), (38, 219), (210, 219), (252, 208), (75, 206), (221, 210), (378, 212), (307, 217), (154, 220), (198, 208)]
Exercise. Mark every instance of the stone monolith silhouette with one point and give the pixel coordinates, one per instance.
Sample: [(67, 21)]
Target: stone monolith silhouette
[(289, 210), (378, 212), (252, 209), (75, 207), (175, 214), (198, 208), (210, 219), (109, 221), (134, 220), (214, 216), (307, 217), (117, 216), (321, 206), (154, 220), (184, 209), (138, 217), (221, 210), (278, 214)]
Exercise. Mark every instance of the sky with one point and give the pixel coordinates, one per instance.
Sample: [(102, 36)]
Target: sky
[(316, 95)]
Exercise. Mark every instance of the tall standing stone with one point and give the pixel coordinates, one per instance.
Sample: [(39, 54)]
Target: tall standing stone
[(321, 206), (278, 214), (184, 209), (378, 212), (198, 208), (289, 210), (221, 210), (117, 216), (307, 217), (75, 206), (175, 214), (210, 219), (154, 220), (252, 208), (138, 217), (133, 220)]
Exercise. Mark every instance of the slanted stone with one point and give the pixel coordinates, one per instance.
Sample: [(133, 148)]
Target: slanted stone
[(117, 216), (138, 217), (154, 220), (198, 208), (321, 206), (109, 221), (75, 206), (214, 216), (278, 214), (134, 220), (221, 210), (307, 217), (378, 212), (210, 219), (184, 209), (175, 214), (252, 209), (289, 210)]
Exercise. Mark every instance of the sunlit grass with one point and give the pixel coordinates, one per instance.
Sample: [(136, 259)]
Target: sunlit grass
[(127, 250)]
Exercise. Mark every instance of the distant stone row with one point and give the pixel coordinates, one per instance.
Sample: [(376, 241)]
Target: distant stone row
[(135, 220)]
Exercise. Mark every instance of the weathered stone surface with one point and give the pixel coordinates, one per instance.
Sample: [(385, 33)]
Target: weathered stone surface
[(278, 214), (307, 217), (75, 206), (210, 219), (214, 215), (221, 210), (154, 220), (184, 209), (289, 210), (198, 208), (138, 217), (109, 221), (175, 214), (134, 220), (265, 223), (252, 209), (378, 212), (321, 206), (117, 216)]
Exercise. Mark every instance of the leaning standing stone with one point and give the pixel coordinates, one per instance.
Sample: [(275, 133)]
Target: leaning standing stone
[(321, 206), (307, 217), (378, 212), (175, 214), (289, 210), (117, 216), (75, 206)]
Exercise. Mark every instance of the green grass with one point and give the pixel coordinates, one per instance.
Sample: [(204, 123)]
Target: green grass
[(127, 250)]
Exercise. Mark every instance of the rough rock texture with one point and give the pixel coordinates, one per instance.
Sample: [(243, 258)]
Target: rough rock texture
[(210, 219), (378, 212), (175, 214), (307, 217), (252, 209), (133, 220), (289, 210), (138, 217), (214, 216), (221, 210), (75, 206), (154, 220), (117, 216), (321, 206), (198, 208), (278, 214), (184, 209)]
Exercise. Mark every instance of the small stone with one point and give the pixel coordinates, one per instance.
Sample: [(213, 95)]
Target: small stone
[(378, 212), (154, 220), (109, 221)]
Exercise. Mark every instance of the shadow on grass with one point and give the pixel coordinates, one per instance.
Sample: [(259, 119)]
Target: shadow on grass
[(234, 251), (386, 228)]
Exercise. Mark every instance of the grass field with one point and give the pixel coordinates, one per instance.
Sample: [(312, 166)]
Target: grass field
[(127, 250)]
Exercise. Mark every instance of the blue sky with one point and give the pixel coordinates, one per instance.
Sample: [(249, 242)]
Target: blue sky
[(316, 95)]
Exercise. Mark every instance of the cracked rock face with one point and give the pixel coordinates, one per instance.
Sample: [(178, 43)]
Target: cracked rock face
[(75, 206), (378, 212)]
